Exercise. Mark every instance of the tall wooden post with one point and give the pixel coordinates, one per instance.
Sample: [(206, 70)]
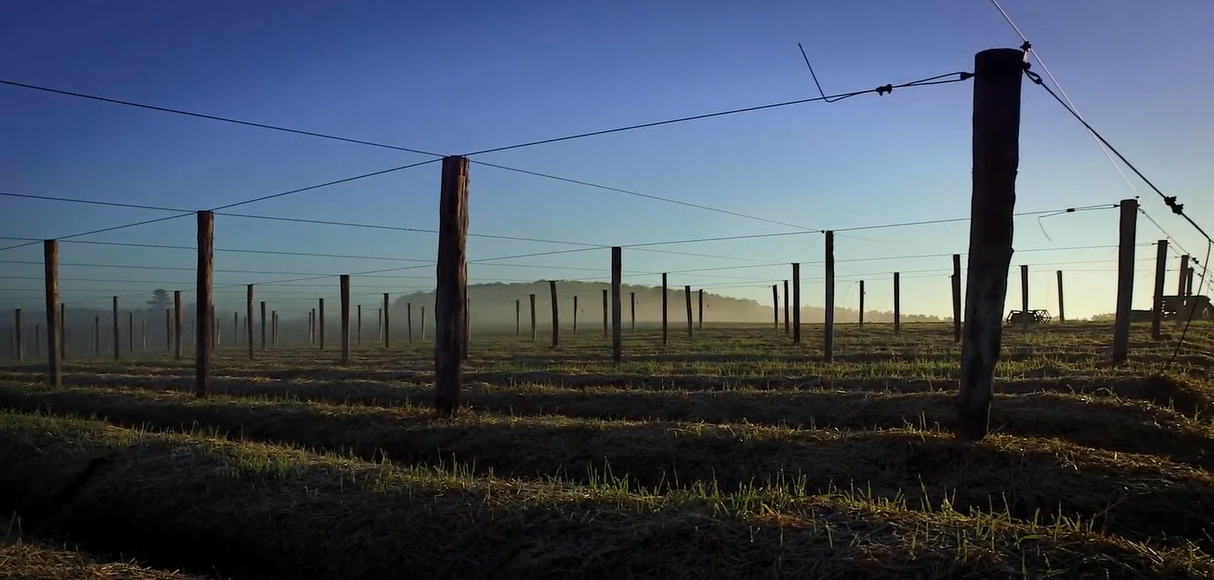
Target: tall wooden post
[(248, 320), (861, 321), (1188, 287), (1061, 301), (828, 338), (632, 309), (422, 328), (143, 335), (320, 324), (1125, 279), (312, 327), (687, 299), (575, 315), (273, 328), (787, 319), (54, 312), (344, 284), (665, 311), (996, 153), (97, 335), (617, 267), (1184, 276), (130, 332), (409, 323), (360, 324), (451, 291), (206, 316), (263, 325), (700, 307), (796, 303), (606, 311), (387, 323), (1161, 272), (897, 303), (956, 282), (556, 319), (1024, 296), (18, 340), (534, 335), (235, 328), (117, 330), (775, 306), (518, 317)]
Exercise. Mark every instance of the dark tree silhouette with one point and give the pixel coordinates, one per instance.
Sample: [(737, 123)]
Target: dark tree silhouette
[(160, 300)]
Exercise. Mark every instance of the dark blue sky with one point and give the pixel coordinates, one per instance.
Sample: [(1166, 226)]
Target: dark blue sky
[(452, 77)]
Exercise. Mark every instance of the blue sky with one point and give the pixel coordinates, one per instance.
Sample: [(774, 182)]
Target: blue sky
[(457, 77)]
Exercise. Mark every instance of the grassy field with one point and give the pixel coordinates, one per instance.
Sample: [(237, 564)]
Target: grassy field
[(731, 455)]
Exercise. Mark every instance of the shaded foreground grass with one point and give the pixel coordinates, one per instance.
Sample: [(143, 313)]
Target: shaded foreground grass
[(27, 560), (254, 510), (1139, 496)]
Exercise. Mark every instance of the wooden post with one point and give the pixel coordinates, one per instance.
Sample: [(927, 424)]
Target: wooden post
[(409, 322), (130, 332), (556, 320), (796, 303), (451, 291), (1024, 296), (1061, 302), (54, 314), (143, 336), (606, 310), (1161, 272), (117, 330), (518, 317), (274, 328), (1188, 288), (828, 334), (320, 324), (575, 315), (787, 320), (956, 281), (700, 306), (996, 153), (387, 323), (533, 332), (344, 284), (665, 311), (897, 303), (862, 304), (360, 324), (632, 307), (312, 326), (1125, 280), (18, 340), (206, 316), (775, 306), (423, 324), (263, 325), (617, 267), (235, 328), (1184, 275), (687, 300)]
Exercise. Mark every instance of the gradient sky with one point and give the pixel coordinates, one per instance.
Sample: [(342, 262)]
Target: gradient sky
[(451, 77)]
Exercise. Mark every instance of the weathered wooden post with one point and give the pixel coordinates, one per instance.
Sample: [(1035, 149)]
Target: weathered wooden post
[(690, 322), (861, 304), (312, 326), (386, 322), (828, 335), (575, 315), (617, 267), (665, 312), (54, 313), (18, 340), (451, 290), (143, 335), (359, 311), (775, 306), (320, 324), (955, 283), (606, 311), (409, 322), (97, 336), (1125, 280), (248, 320), (1188, 289), (534, 334), (1024, 296), (897, 303), (117, 330), (422, 328), (1184, 276), (263, 325), (206, 316), (787, 319), (274, 328), (996, 153), (632, 307), (130, 332), (796, 303), (556, 319), (518, 317), (1061, 302), (700, 307), (235, 328), (344, 288), (1161, 272)]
